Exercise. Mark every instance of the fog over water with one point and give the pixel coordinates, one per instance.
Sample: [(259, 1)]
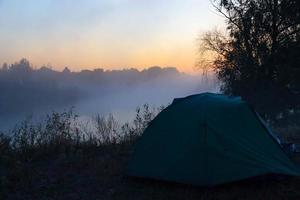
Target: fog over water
[(34, 92)]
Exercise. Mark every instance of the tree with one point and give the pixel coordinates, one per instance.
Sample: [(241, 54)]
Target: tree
[(22, 66), (260, 57), (5, 66), (66, 70)]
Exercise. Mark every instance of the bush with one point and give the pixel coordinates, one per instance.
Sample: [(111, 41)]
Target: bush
[(63, 132)]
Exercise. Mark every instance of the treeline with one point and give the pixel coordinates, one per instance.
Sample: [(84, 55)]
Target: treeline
[(23, 70), (24, 88)]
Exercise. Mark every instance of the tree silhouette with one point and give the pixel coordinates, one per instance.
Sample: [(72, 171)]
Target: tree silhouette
[(260, 57)]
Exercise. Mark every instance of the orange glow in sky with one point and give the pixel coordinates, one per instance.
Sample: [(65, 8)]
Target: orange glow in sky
[(111, 34)]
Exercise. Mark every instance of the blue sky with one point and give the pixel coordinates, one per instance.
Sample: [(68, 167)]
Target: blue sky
[(104, 33)]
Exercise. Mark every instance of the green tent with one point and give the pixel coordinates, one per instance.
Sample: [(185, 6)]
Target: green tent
[(208, 139)]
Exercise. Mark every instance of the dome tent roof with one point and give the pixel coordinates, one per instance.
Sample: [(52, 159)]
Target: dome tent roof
[(208, 139)]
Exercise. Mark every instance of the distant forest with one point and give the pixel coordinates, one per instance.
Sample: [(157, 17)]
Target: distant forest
[(24, 88)]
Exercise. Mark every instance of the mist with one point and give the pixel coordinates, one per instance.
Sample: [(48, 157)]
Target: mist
[(27, 92)]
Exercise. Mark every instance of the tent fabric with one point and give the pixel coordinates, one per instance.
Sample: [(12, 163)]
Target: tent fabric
[(208, 139)]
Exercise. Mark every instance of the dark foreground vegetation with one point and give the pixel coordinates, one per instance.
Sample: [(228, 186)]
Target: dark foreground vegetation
[(60, 158)]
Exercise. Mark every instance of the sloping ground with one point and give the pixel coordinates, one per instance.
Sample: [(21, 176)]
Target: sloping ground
[(98, 174)]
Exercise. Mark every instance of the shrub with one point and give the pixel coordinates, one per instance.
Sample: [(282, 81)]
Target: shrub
[(63, 132)]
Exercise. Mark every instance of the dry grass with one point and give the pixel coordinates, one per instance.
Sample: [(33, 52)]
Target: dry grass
[(58, 160), (290, 133), (100, 175)]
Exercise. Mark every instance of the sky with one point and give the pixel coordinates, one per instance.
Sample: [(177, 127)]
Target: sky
[(111, 34)]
